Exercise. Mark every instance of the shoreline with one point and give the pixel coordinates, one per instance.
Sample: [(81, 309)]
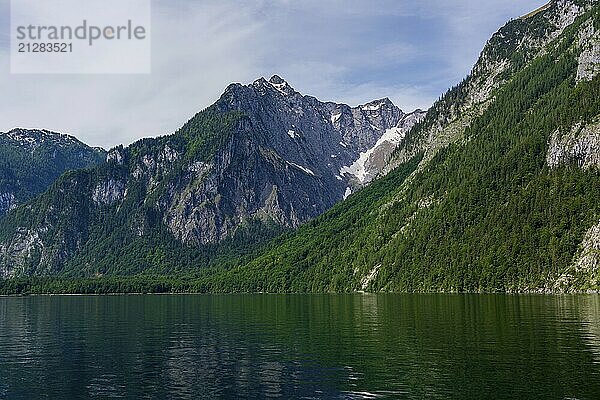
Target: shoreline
[(362, 293)]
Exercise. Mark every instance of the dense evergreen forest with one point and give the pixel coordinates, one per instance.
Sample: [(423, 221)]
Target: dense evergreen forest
[(487, 213)]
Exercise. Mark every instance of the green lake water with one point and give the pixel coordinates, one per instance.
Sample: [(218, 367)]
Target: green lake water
[(300, 346)]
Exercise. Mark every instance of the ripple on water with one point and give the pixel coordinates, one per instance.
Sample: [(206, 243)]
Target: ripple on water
[(312, 347)]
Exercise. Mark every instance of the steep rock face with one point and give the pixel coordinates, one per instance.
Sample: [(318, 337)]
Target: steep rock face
[(30, 160), (497, 189), (589, 59), (324, 137), (262, 155), (508, 50), (247, 179), (19, 251), (579, 146), (7, 202), (108, 192), (374, 160), (585, 271)]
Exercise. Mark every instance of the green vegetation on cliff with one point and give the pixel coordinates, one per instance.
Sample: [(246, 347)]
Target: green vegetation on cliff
[(486, 213)]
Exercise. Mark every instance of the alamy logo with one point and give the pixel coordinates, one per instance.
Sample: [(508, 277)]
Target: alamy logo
[(74, 36)]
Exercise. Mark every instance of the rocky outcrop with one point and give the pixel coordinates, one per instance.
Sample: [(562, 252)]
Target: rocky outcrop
[(580, 146), (21, 249), (589, 59), (109, 192), (7, 202), (589, 256), (585, 271)]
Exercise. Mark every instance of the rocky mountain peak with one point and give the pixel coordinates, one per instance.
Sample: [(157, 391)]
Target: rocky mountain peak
[(349, 145), (324, 137), (377, 105), (262, 154), (276, 80), (32, 139), (33, 158), (274, 86)]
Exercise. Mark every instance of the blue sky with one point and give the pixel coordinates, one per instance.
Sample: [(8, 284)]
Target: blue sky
[(349, 51)]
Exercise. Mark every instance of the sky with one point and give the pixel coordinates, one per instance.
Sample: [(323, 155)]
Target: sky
[(347, 51)]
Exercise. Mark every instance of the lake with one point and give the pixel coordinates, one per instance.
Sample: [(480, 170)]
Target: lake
[(300, 346)]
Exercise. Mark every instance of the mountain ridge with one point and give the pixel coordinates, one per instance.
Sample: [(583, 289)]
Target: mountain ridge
[(471, 202), (263, 157), (495, 189), (33, 158)]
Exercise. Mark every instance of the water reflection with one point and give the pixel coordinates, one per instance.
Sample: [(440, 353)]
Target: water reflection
[(590, 317), (317, 346)]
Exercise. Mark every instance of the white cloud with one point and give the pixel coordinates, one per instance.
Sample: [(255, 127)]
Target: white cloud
[(194, 52), (342, 50)]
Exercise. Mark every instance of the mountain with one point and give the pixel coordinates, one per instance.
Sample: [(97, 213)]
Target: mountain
[(496, 189), (30, 160), (262, 159)]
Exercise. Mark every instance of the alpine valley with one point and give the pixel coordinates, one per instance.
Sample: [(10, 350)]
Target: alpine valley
[(495, 188)]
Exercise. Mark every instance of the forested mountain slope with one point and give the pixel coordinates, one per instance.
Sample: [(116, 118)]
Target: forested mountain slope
[(498, 189), (264, 158), (31, 160)]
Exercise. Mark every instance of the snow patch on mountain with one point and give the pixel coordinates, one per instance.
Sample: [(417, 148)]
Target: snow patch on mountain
[(292, 133), (359, 168), (300, 167), (370, 162), (347, 193), (335, 117)]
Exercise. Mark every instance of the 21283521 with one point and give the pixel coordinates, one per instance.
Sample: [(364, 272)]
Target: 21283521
[(45, 47)]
